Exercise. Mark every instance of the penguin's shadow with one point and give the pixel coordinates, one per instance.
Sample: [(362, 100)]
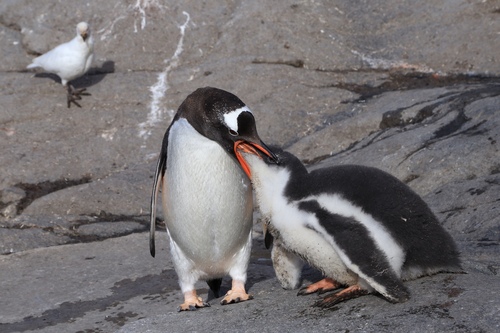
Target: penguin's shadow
[(92, 77)]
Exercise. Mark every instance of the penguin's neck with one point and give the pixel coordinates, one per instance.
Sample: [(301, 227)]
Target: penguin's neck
[(269, 183)]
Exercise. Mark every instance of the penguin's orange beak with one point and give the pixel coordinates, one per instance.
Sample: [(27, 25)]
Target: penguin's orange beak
[(250, 147)]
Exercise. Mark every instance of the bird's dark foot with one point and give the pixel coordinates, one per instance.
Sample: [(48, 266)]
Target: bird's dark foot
[(75, 95), (236, 294), (341, 296), (192, 302), (73, 99), (320, 287)]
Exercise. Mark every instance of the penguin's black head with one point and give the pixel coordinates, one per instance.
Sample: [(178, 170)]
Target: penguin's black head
[(222, 117)]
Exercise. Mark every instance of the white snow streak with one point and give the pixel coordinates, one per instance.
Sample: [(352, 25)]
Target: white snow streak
[(159, 89), (140, 8)]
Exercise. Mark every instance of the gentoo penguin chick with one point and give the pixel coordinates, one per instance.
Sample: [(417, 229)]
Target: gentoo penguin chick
[(363, 228), (69, 61), (207, 198)]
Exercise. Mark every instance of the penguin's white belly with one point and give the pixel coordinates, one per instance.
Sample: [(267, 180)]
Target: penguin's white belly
[(207, 200)]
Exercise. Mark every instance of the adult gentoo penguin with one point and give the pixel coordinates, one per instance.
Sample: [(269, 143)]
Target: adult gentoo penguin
[(207, 198), (362, 227)]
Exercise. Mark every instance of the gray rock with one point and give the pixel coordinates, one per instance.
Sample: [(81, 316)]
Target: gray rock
[(283, 311), (109, 229), (113, 285), (470, 208), (16, 240), (411, 89), (454, 138), (124, 193)]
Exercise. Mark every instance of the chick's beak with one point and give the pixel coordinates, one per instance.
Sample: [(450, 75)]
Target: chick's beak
[(251, 148)]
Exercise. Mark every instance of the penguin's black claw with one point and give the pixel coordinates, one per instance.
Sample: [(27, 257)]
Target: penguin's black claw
[(230, 301), (192, 307), (189, 308), (303, 291), (192, 302), (235, 297), (320, 287), (341, 296)]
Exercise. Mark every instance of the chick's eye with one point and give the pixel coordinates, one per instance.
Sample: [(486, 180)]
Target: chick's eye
[(233, 132)]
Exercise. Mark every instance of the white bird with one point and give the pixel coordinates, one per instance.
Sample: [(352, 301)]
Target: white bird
[(69, 61)]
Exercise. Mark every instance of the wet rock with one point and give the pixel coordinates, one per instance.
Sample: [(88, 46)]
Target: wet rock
[(123, 193), (25, 238), (109, 229), (471, 208), (458, 141)]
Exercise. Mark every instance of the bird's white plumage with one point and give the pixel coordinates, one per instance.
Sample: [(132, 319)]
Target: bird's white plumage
[(208, 208), (69, 60), (231, 118)]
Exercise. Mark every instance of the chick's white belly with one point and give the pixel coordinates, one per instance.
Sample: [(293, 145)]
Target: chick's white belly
[(319, 253), (207, 204), (299, 238)]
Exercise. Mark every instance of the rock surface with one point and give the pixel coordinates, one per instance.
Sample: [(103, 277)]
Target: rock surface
[(412, 89)]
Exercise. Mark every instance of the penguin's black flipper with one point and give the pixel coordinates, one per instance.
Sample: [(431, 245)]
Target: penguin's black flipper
[(214, 285), (161, 166)]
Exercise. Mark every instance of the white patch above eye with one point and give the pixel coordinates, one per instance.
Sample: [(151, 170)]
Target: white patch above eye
[(231, 118)]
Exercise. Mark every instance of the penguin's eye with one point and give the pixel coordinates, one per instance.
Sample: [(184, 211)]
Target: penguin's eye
[(233, 132)]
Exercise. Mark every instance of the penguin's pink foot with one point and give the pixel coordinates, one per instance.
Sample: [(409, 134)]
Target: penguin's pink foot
[(235, 297), (192, 302), (236, 294), (322, 286), (344, 295)]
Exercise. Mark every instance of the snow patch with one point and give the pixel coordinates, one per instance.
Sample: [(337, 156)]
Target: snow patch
[(159, 89)]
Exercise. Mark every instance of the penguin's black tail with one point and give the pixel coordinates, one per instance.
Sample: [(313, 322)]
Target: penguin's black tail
[(214, 285)]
